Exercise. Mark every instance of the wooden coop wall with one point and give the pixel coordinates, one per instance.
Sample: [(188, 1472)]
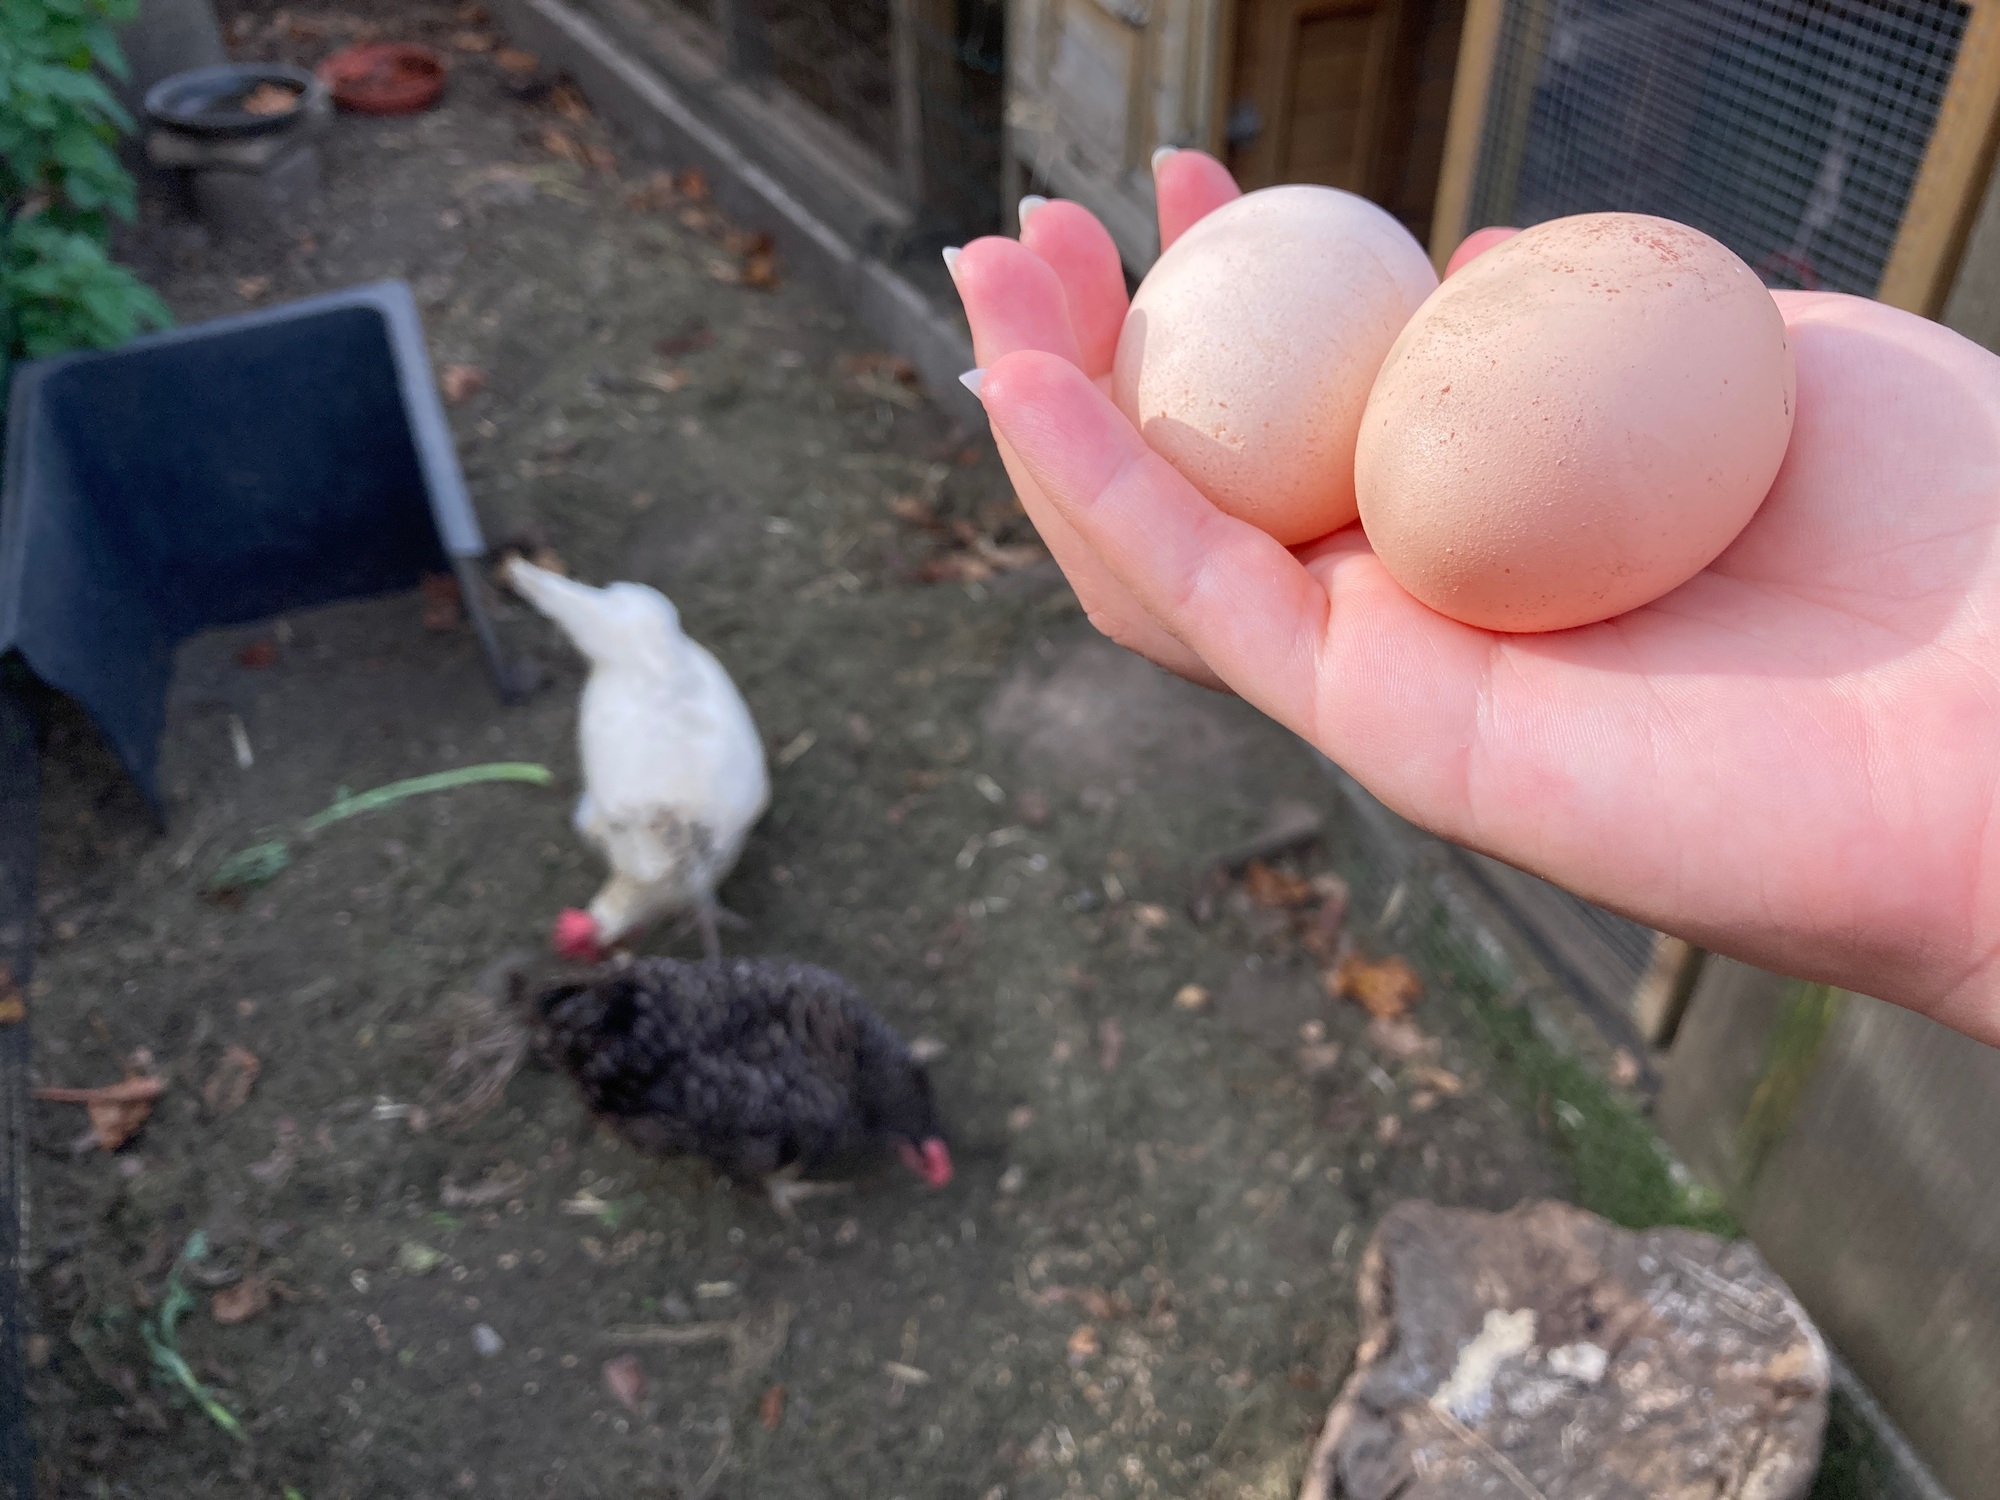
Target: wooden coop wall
[(1351, 93), (1355, 94), (903, 97)]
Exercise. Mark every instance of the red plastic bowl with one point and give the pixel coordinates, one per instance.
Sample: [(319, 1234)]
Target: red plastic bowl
[(384, 78)]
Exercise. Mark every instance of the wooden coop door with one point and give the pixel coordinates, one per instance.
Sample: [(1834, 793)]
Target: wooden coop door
[(1332, 91)]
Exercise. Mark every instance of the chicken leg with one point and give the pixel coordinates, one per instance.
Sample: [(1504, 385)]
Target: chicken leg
[(709, 919), (786, 1191)]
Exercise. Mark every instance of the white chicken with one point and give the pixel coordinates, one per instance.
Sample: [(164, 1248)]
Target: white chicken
[(673, 768)]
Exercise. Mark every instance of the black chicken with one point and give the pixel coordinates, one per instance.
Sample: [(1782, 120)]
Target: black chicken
[(767, 1069)]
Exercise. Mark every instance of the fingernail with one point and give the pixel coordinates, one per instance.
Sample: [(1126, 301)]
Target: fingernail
[(1028, 205), (951, 255), (1162, 154), (972, 380)]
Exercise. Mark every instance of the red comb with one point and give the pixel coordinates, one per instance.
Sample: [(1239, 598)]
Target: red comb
[(575, 936)]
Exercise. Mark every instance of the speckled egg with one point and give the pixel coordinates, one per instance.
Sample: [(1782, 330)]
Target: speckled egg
[(1248, 354), (1575, 424)]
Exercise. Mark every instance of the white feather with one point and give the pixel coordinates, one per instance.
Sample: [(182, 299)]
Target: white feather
[(673, 767)]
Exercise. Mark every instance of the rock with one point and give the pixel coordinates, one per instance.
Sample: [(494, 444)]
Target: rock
[(1546, 1354)]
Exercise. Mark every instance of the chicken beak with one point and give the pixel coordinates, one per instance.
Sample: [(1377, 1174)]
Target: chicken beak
[(931, 1161), (575, 937)]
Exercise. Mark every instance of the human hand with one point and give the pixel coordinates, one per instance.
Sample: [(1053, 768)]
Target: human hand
[(1791, 759)]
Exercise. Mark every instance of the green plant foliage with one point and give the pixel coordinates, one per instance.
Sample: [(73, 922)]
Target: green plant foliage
[(61, 183)]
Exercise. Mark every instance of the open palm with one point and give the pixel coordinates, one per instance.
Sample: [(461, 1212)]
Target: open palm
[(1791, 759)]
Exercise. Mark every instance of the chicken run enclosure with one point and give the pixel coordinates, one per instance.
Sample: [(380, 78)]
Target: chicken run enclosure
[(1113, 909)]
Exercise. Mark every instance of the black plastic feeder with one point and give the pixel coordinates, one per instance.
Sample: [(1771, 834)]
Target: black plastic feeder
[(214, 475)]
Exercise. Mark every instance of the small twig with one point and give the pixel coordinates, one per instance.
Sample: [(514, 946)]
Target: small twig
[(1493, 1455), (703, 1485), (1739, 1302), (669, 1335)]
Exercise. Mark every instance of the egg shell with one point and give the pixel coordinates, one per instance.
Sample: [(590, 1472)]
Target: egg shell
[(1575, 424), (1248, 353)]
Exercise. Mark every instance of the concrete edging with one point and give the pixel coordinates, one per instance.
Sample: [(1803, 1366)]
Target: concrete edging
[(647, 105)]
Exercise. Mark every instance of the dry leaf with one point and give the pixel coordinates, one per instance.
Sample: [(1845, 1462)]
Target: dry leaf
[(692, 184), (877, 364), (490, 1189), (761, 272), (1269, 886), (250, 288), (474, 41), (724, 271), (692, 338), (626, 1381), (443, 604), (1110, 1043), (514, 60), (1191, 997), (657, 192), (13, 1007), (1398, 1038), (116, 1111), (1326, 932), (600, 157), (274, 1170), (914, 510), (228, 1087), (1385, 990), (1106, 1307), (771, 1410), (562, 144), (258, 655), (1318, 1057), (1083, 1344), (249, 1298), (462, 382), (1438, 1081), (668, 381), (571, 105)]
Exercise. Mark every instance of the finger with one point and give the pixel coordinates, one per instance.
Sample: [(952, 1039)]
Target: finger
[(1475, 245), (1190, 185), (1110, 609), (1014, 300), (1079, 250), (1235, 597)]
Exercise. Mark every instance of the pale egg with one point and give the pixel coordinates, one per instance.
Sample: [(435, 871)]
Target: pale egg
[(1575, 424), (1248, 354)]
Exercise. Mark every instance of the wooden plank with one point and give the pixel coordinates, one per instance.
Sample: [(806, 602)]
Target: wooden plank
[(1222, 74), (1855, 1141), (906, 75), (1661, 998), (1504, 147), (1601, 957), (1478, 49), (1954, 174)]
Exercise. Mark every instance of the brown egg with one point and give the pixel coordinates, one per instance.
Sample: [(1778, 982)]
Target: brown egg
[(1248, 354), (1575, 424)]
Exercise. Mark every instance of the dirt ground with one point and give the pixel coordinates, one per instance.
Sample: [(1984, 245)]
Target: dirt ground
[(1141, 1281)]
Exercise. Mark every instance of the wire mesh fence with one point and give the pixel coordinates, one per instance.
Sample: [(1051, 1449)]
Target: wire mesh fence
[(919, 85), (1791, 130)]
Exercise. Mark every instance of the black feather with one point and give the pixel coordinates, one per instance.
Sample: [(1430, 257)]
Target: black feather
[(754, 1064)]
